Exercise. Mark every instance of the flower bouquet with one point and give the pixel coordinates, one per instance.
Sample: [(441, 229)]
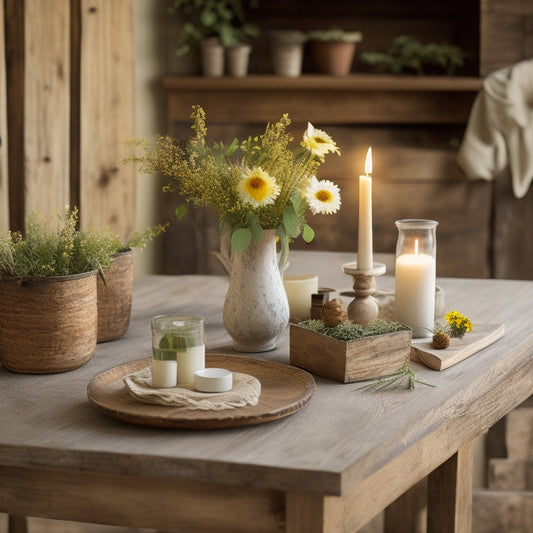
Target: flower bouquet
[(261, 189)]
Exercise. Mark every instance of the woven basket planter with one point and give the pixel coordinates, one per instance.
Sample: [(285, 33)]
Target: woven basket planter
[(114, 297), (48, 325)]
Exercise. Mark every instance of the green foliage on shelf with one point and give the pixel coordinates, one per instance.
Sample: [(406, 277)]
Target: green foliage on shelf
[(223, 19), (407, 55)]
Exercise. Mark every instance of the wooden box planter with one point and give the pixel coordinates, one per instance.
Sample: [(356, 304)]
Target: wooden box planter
[(115, 297), (348, 361), (48, 324)]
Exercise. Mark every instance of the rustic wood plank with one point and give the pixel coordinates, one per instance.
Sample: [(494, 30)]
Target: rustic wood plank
[(107, 187), (47, 105), (510, 474), (479, 338), (499, 511), (4, 167), (154, 503), (14, 38), (450, 494)]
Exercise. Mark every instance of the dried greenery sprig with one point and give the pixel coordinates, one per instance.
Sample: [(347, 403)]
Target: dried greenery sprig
[(404, 377)]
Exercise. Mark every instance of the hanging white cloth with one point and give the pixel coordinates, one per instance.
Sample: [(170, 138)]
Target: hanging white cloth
[(500, 128)]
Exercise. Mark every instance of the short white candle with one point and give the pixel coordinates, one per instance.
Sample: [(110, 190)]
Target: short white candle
[(299, 290), (164, 374), (415, 292), (364, 240), (189, 361)]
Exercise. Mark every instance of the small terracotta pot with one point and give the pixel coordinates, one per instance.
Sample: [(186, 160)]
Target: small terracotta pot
[(115, 297), (48, 324), (333, 58)]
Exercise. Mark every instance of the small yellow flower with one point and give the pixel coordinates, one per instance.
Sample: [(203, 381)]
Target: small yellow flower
[(323, 196), (318, 142), (459, 324), (258, 188)]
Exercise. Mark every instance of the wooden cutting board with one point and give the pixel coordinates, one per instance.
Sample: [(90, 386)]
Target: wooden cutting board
[(480, 337), (285, 389)]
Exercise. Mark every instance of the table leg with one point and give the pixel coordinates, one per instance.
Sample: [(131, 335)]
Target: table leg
[(450, 494), (408, 512), (17, 524), (313, 513)]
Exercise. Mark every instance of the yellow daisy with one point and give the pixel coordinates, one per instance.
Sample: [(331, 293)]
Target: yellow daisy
[(318, 142), (323, 196), (258, 188)]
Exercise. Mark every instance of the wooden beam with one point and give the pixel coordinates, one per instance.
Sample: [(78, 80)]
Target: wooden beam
[(450, 494), (4, 181)]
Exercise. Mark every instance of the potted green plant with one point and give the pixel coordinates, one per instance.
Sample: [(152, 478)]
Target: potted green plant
[(287, 52), (216, 25), (333, 50), (407, 55), (48, 298)]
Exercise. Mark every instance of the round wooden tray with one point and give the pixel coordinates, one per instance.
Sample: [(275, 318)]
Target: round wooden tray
[(285, 389)]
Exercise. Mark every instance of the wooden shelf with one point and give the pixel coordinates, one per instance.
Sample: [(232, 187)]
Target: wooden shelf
[(311, 82), (355, 99)]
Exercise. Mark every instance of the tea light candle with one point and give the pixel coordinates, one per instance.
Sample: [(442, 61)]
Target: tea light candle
[(299, 291), (415, 292), (364, 244)]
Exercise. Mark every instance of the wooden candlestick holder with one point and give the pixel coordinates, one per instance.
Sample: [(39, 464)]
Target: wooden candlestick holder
[(363, 309)]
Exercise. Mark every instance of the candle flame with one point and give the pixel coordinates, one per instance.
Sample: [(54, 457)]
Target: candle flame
[(368, 162), (416, 246)]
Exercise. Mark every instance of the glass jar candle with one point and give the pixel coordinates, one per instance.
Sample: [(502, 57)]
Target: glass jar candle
[(178, 349), (416, 253)]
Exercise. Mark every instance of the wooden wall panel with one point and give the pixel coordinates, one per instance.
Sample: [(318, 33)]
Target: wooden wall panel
[(4, 184), (506, 33), (107, 187), (47, 105)]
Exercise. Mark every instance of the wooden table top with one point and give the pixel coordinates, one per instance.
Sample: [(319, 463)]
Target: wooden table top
[(337, 442)]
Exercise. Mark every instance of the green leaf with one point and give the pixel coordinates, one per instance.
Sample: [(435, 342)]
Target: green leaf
[(240, 239), (255, 227), (308, 233), (299, 203), (291, 221), (284, 247), (180, 211), (232, 147)]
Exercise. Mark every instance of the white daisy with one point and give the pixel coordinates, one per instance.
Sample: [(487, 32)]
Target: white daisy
[(257, 187), (318, 142), (323, 196)]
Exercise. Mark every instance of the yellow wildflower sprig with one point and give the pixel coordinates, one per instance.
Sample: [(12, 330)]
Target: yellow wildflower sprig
[(458, 324)]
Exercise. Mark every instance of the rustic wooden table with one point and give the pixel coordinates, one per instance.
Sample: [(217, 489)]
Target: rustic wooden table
[(330, 467)]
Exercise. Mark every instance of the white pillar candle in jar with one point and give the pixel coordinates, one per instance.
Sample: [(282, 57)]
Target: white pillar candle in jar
[(415, 276)]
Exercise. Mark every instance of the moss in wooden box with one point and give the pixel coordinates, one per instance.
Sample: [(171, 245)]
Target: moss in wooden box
[(349, 352)]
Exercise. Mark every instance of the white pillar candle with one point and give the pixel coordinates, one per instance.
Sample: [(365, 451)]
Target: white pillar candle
[(164, 374), (299, 290), (189, 361), (415, 292), (364, 244)]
